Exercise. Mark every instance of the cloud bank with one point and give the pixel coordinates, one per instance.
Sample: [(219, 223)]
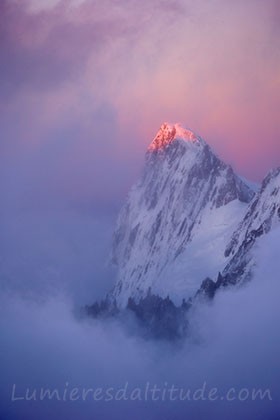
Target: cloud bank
[(235, 343)]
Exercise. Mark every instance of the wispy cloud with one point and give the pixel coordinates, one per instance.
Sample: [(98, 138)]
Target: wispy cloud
[(98, 78)]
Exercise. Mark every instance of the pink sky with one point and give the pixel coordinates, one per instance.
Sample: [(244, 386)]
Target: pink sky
[(88, 82)]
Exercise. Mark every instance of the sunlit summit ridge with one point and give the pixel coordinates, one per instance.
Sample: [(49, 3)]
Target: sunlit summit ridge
[(170, 132)]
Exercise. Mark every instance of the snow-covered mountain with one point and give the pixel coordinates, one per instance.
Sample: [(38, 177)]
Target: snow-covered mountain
[(172, 232), (262, 216)]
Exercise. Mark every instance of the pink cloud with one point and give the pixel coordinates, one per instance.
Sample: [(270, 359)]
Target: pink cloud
[(213, 67)]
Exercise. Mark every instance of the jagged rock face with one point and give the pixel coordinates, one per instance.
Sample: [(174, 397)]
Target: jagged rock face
[(207, 289), (174, 227), (263, 215)]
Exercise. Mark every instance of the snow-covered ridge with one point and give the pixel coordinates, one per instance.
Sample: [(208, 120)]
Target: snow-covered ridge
[(168, 133), (262, 216), (263, 212)]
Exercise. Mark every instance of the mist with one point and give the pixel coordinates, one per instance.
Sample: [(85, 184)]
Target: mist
[(234, 342)]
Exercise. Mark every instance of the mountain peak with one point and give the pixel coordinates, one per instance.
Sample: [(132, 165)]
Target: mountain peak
[(170, 132), (185, 197)]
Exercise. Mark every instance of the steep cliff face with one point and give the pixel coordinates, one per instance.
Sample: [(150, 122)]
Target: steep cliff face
[(262, 216), (178, 219)]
